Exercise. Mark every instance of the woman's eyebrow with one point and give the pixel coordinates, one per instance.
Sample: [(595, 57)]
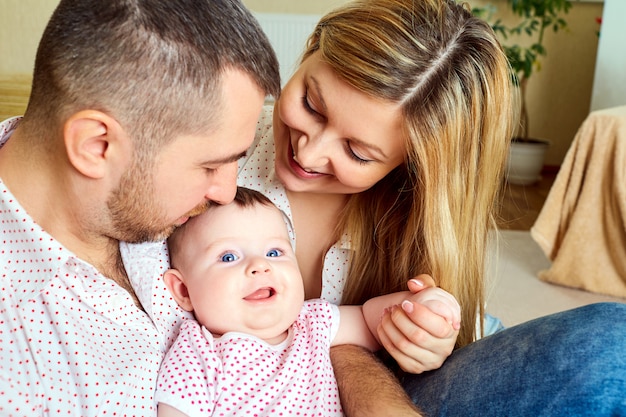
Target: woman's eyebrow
[(369, 146), (318, 91)]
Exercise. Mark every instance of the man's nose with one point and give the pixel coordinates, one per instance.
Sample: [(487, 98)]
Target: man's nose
[(223, 185)]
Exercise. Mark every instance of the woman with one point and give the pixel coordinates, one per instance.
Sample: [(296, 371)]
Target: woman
[(386, 150)]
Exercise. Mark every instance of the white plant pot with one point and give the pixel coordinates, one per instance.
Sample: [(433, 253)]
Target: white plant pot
[(525, 162)]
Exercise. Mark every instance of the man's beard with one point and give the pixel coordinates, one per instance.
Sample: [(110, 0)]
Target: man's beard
[(134, 210)]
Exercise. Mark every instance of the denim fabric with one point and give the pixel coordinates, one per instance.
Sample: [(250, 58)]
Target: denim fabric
[(567, 364)]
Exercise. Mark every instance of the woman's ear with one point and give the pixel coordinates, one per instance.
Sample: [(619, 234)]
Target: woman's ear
[(93, 141), (175, 284)]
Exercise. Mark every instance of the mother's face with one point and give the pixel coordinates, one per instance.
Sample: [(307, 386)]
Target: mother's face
[(332, 138)]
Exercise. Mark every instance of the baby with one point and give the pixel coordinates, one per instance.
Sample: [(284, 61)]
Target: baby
[(255, 345)]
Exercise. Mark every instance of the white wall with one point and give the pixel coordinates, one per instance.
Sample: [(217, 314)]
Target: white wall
[(609, 84), (21, 24), (288, 33)]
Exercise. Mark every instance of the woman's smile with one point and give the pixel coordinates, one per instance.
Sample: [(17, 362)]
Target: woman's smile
[(298, 169)]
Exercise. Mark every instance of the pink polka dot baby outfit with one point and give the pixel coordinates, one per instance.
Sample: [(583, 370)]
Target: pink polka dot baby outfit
[(242, 375)]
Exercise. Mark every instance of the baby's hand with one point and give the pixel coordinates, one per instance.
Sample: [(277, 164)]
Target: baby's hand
[(421, 331), (438, 301)]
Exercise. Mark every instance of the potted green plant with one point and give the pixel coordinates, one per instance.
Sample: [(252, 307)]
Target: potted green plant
[(535, 17)]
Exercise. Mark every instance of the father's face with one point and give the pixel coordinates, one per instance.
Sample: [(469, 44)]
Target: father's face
[(151, 201)]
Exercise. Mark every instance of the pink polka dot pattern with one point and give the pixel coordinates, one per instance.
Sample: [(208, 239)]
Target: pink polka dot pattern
[(241, 375), (256, 171), (72, 342)]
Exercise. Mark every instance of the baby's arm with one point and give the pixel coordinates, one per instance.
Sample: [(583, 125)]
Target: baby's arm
[(354, 330), (166, 410), (358, 324)]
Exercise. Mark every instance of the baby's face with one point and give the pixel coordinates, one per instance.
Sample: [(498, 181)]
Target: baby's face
[(242, 273)]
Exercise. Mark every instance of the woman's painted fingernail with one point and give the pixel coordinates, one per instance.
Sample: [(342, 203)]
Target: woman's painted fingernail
[(407, 306), (417, 282)]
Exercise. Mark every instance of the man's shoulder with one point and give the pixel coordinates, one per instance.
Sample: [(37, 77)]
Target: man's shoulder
[(7, 127)]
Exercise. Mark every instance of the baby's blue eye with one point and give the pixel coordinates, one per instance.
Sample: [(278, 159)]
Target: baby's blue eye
[(274, 253), (229, 257)]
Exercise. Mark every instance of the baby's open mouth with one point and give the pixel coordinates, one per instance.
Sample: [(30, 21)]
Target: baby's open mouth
[(261, 294)]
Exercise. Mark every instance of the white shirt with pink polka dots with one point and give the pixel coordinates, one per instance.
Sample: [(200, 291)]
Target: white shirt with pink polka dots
[(256, 171), (242, 375), (72, 342)]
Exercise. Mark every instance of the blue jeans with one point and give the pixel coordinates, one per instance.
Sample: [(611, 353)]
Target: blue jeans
[(567, 364)]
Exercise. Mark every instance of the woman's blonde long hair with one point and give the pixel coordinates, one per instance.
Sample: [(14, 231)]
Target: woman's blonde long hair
[(432, 214)]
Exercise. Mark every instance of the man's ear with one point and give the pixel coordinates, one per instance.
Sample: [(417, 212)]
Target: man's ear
[(93, 140), (175, 284)]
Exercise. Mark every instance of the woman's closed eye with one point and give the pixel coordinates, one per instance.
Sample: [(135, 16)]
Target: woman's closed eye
[(307, 106), (352, 154)]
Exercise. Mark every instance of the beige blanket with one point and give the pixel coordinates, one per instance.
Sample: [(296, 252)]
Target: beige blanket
[(582, 226)]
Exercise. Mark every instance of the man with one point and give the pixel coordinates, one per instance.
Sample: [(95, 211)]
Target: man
[(138, 114)]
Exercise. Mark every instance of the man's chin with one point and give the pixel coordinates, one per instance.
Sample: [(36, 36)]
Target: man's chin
[(197, 211), (148, 236), (164, 234)]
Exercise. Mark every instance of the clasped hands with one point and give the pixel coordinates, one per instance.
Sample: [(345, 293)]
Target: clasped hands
[(420, 333)]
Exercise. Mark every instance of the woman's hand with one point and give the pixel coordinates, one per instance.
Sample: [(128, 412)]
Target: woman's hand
[(421, 333)]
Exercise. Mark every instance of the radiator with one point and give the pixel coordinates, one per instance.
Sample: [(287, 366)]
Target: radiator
[(288, 34)]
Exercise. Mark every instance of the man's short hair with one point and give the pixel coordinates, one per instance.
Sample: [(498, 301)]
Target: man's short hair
[(154, 65)]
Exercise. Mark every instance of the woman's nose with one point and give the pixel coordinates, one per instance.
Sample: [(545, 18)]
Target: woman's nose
[(313, 151)]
